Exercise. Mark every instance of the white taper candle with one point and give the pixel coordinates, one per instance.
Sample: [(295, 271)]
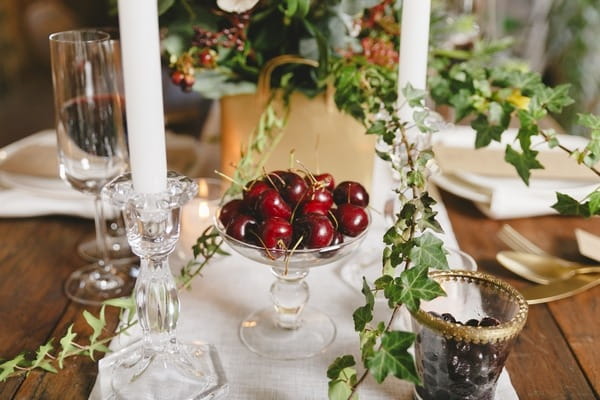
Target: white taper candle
[(414, 49), (140, 47)]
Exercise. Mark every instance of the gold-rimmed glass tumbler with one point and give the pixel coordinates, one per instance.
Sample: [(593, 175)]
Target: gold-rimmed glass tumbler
[(464, 338)]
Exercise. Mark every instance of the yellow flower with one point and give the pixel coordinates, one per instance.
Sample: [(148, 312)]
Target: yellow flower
[(518, 100)]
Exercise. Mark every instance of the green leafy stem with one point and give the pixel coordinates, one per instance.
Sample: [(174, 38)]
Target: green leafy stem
[(50, 358)]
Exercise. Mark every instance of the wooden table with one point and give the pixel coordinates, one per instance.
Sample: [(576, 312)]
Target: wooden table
[(557, 356)]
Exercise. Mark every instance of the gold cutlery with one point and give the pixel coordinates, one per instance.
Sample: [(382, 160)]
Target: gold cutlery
[(543, 269), (513, 239), (557, 290)]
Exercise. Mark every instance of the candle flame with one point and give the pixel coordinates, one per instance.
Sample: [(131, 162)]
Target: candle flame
[(202, 188), (203, 210)]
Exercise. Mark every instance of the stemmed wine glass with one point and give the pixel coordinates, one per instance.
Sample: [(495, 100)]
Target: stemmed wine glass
[(91, 143)]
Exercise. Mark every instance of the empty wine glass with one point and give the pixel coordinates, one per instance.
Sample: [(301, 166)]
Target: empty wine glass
[(114, 226), (91, 142)]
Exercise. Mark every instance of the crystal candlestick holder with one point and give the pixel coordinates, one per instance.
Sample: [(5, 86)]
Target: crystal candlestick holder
[(159, 366)]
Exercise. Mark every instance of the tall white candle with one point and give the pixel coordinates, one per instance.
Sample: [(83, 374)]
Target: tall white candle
[(414, 48), (138, 24)]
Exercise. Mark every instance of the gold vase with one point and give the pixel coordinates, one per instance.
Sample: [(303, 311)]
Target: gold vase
[(322, 138)]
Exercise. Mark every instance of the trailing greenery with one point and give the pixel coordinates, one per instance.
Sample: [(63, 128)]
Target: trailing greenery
[(51, 357), (476, 86)]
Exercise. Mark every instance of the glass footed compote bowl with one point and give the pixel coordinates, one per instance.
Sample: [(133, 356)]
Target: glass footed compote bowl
[(288, 330)]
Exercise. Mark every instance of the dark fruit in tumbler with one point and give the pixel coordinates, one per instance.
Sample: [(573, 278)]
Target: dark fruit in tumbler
[(351, 192), (351, 219), (270, 204), (316, 230), (325, 181), (290, 185), (275, 233), (230, 210), (453, 368), (242, 227)]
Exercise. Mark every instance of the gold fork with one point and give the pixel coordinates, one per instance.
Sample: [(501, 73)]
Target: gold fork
[(515, 241)]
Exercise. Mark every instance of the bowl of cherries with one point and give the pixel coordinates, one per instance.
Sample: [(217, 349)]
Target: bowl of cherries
[(292, 221), (286, 219)]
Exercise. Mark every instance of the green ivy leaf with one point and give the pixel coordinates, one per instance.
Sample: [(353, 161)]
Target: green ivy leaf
[(589, 121), (393, 358), (8, 367), (485, 131), (414, 97), (415, 285), (66, 343), (462, 103), (554, 99), (594, 202), (377, 128), (341, 389), (363, 315), (566, 205), (40, 357), (338, 365), (524, 162), (96, 323), (428, 251)]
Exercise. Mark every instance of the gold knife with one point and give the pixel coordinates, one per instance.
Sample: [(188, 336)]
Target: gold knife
[(560, 289)]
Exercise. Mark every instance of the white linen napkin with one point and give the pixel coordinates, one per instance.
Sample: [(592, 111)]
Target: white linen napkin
[(485, 178), (30, 185)]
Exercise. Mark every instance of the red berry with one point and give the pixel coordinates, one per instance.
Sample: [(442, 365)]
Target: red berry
[(242, 227), (352, 219), (325, 180), (290, 185), (275, 234), (252, 193), (177, 77), (229, 211), (316, 230), (270, 204), (351, 192)]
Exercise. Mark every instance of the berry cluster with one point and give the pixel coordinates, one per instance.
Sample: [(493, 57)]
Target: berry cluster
[(234, 36), (182, 72), (452, 368), (380, 51), (284, 210)]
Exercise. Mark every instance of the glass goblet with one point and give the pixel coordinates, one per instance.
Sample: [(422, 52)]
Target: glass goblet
[(288, 330), (464, 338), (91, 143)]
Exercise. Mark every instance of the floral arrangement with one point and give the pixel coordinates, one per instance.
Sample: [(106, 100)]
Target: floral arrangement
[(225, 44)]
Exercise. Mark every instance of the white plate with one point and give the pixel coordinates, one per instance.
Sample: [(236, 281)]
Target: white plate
[(186, 154)]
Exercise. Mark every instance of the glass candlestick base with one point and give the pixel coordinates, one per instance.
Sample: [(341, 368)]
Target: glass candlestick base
[(159, 366)]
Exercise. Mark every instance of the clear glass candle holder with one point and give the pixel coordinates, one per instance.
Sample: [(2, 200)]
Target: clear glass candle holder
[(159, 366), (464, 338)]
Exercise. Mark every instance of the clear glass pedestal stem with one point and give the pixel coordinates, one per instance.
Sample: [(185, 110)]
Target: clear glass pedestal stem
[(288, 330)]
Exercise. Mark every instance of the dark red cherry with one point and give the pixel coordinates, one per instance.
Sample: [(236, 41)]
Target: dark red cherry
[(290, 185), (316, 230), (320, 195), (275, 233), (229, 211), (242, 227), (270, 204), (351, 192), (338, 238), (253, 191), (352, 219), (313, 207), (325, 181)]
